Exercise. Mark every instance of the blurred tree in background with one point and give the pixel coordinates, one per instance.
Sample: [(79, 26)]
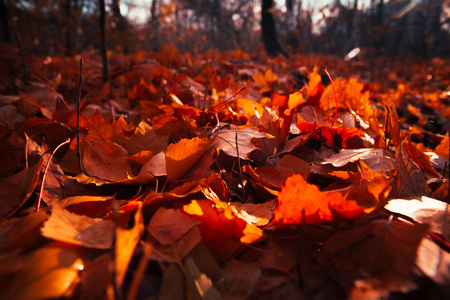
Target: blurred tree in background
[(397, 27)]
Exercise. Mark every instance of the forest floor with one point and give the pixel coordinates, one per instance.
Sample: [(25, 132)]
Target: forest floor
[(225, 176)]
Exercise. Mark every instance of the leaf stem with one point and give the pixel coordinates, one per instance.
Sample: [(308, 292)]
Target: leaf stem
[(57, 94), (240, 167), (226, 100), (38, 205), (335, 96), (78, 116)]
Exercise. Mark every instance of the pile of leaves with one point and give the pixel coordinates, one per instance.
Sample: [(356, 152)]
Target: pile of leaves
[(224, 176)]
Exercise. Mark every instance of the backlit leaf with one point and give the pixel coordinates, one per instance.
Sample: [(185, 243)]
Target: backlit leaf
[(181, 156), (302, 203)]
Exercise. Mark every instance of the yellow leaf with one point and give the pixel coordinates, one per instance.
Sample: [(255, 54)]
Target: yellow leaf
[(126, 241), (443, 147), (181, 156), (294, 101), (250, 106), (71, 228)]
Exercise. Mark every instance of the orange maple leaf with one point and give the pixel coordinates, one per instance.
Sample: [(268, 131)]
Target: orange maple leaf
[(302, 203)]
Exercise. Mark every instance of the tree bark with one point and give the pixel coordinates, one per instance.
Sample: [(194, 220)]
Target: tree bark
[(5, 23), (103, 39), (268, 30), (121, 21), (155, 25), (69, 26)]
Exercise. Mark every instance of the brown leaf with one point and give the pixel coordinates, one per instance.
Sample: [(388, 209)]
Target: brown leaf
[(226, 140), (420, 158), (381, 254), (68, 227), (392, 129), (377, 159), (106, 160), (168, 225), (25, 232), (176, 251), (410, 180), (45, 131), (16, 189)]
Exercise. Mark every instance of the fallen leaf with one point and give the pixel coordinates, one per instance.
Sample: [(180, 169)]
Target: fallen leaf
[(125, 243), (176, 251), (410, 180), (52, 271), (68, 227), (168, 225), (16, 189), (379, 255), (376, 158), (198, 284), (392, 130), (226, 140), (25, 232), (444, 146), (181, 156), (105, 160), (222, 232), (155, 166), (302, 203), (420, 158), (240, 279)]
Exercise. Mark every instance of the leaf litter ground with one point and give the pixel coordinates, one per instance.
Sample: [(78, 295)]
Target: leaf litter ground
[(301, 185)]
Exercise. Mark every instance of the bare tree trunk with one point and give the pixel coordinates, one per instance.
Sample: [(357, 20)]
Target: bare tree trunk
[(268, 30), (433, 24), (103, 39), (351, 29), (5, 24), (155, 25), (121, 21), (68, 21), (216, 18), (290, 24)]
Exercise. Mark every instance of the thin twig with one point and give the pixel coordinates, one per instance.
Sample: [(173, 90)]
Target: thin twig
[(226, 100), (78, 116), (8, 124), (239, 166), (204, 100), (57, 94), (335, 96), (38, 205), (103, 40)]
